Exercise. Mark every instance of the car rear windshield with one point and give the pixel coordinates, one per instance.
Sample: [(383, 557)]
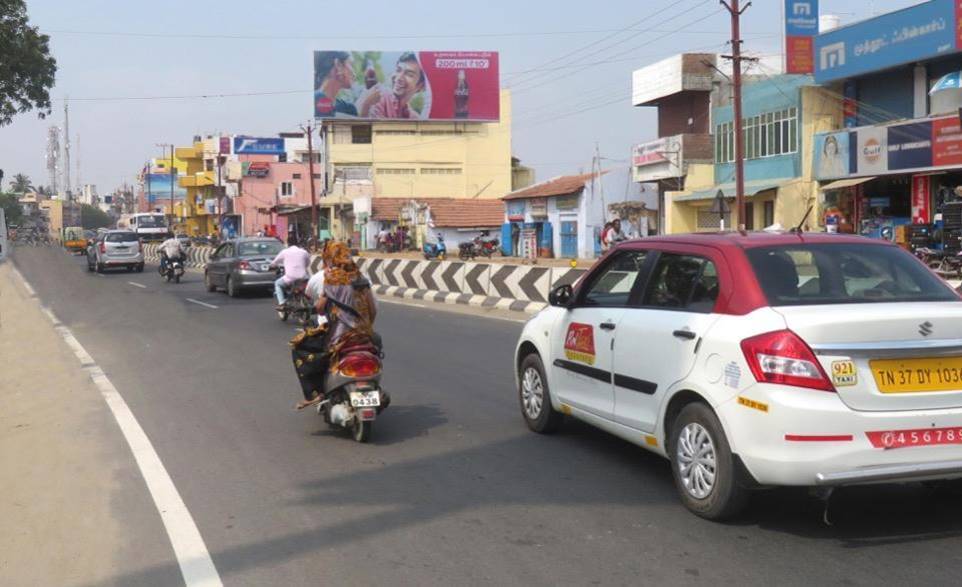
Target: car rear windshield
[(121, 237), (809, 274), (258, 248)]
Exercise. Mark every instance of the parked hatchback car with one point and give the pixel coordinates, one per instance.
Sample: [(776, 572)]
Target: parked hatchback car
[(115, 248), (242, 264), (754, 360)]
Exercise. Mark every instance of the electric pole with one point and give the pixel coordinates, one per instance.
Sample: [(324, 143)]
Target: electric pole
[(309, 130), (66, 149), (736, 59)]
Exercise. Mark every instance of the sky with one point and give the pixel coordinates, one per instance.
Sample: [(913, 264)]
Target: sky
[(568, 65)]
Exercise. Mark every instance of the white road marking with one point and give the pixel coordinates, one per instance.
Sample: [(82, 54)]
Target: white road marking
[(194, 560), (135, 284), (100, 275), (400, 303), (200, 303), (441, 308)]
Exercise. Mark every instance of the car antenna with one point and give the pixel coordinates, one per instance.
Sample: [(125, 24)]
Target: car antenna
[(798, 229)]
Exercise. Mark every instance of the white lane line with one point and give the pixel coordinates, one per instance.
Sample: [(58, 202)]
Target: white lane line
[(100, 275), (135, 284), (400, 303), (200, 303), (193, 558)]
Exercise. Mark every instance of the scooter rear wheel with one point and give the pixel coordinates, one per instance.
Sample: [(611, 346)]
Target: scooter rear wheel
[(362, 430)]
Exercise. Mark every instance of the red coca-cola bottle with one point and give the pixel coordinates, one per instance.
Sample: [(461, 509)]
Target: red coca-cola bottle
[(370, 76), (461, 95)]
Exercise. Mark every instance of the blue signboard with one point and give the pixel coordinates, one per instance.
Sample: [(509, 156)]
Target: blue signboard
[(916, 33), (801, 18), (258, 146), (910, 145)]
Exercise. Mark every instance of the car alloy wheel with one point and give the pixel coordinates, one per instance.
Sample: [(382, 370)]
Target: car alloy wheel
[(532, 393), (695, 454)]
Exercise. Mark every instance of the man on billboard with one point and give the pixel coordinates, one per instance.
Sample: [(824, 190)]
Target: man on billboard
[(408, 80)]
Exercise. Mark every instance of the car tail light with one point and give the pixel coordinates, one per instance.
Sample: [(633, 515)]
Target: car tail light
[(782, 357), (244, 265), (359, 365), (103, 247)]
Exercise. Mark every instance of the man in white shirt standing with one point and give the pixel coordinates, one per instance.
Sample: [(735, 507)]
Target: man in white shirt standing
[(295, 261)]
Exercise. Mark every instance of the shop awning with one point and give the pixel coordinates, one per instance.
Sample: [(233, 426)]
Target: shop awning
[(845, 183), (751, 188)]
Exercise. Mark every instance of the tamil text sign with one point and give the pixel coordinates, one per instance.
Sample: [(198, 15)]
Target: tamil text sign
[(801, 27), (258, 146), (658, 159), (916, 33), (411, 85)]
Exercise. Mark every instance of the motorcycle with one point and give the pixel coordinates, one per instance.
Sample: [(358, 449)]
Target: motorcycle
[(173, 270), (487, 248), (353, 397), (944, 264), (435, 250), (296, 303), (467, 251)]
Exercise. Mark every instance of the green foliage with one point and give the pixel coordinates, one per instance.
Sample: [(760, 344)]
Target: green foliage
[(20, 184), (92, 217), (27, 70), (11, 208)]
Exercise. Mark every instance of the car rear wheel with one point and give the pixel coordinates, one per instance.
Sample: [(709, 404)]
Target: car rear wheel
[(209, 283), (231, 288), (100, 267), (702, 465), (535, 398)]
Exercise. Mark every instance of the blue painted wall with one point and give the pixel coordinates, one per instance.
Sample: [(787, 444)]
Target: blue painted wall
[(761, 96)]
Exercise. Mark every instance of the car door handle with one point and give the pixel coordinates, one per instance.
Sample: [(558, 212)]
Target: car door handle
[(607, 325), (686, 334)]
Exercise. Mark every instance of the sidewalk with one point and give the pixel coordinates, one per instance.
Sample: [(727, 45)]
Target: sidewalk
[(66, 473)]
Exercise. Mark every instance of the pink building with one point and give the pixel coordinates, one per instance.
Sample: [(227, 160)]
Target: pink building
[(268, 187)]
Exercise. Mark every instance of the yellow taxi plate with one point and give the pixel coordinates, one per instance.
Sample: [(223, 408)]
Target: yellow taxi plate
[(917, 375)]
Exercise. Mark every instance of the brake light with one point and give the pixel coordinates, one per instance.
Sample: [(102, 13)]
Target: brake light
[(103, 247), (782, 357), (359, 365), (244, 265)]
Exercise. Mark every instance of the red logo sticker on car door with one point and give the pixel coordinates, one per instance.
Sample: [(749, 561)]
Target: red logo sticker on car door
[(580, 343)]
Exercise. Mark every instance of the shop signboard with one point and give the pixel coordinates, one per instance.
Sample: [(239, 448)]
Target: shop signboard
[(657, 159), (913, 34), (538, 207), (921, 186), (569, 202), (871, 150), (258, 146), (946, 141), (801, 26), (224, 146), (258, 169), (407, 85), (832, 157), (910, 146), (515, 210)]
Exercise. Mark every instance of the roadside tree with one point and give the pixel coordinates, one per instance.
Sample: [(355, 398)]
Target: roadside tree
[(27, 70)]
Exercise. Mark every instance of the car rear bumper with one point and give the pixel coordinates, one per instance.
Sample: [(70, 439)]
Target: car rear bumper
[(788, 436), (253, 279), (138, 260)]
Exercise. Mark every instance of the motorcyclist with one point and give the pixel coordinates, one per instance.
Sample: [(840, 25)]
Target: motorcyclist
[(295, 261), (170, 250)]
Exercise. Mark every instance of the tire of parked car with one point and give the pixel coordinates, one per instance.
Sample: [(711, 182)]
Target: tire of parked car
[(231, 288), (535, 397), (208, 284), (702, 465)]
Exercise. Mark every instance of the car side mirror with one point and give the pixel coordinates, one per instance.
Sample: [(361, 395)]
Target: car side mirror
[(561, 296)]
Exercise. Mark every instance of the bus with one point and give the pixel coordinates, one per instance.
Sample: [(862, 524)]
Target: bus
[(148, 225)]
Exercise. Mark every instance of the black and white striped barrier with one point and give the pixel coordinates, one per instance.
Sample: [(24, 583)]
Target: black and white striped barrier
[(197, 256)]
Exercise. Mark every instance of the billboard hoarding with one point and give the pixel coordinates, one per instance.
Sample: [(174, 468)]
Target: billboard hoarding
[(158, 185), (832, 158), (946, 142), (407, 85), (658, 159), (921, 184), (801, 26), (912, 34), (910, 146), (258, 146)]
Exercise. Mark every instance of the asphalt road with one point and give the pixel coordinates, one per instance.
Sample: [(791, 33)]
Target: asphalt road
[(453, 489)]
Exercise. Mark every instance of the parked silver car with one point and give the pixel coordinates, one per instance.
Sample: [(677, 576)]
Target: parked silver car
[(242, 263), (115, 248)]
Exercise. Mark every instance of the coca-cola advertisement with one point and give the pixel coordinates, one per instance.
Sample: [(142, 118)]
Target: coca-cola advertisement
[(407, 85)]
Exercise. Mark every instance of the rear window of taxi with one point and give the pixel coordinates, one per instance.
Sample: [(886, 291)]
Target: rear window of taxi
[(844, 273)]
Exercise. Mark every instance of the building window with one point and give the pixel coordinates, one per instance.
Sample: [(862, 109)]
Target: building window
[(296, 176), (395, 171), (765, 135), (361, 134), (304, 158), (287, 189), (749, 216), (441, 171), (769, 213), (708, 221), (317, 176), (352, 173)]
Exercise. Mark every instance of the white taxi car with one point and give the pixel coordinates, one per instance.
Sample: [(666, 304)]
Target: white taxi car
[(756, 359)]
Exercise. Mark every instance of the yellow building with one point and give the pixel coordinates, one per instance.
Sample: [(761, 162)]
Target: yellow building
[(781, 116), (416, 160), (192, 213)]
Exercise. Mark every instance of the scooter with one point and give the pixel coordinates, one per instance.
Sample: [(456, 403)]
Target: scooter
[(353, 397), (435, 250)]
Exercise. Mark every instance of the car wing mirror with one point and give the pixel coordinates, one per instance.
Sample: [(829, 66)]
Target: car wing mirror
[(561, 296)]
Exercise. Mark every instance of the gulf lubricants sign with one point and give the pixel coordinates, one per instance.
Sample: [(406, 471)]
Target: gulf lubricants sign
[(917, 33), (801, 27)]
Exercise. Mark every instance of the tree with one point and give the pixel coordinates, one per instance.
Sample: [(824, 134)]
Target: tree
[(11, 208), (43, 190), (20, 184), (27, 70), (92, 217)]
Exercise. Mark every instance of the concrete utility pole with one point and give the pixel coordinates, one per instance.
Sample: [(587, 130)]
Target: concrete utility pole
[(736, 59), (309, 130)]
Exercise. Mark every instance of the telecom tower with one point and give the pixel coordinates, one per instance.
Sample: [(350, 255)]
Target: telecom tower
[(52, 157)]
